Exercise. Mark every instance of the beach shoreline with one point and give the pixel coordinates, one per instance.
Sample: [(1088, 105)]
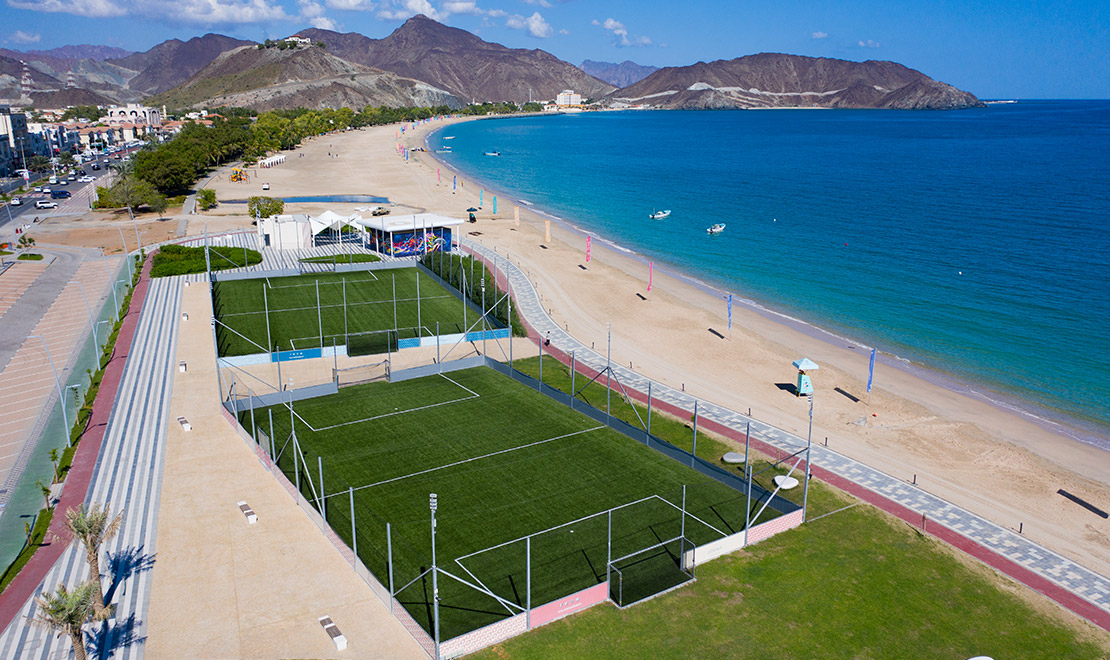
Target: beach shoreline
[(1050, 419), (975, 455)]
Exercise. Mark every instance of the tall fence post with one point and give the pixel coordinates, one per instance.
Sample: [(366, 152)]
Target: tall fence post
[(694, 452), (270, 411), (346, 339), (319, 316), (354, 537), (573, 391), (320, 499), (649, 411), (389, 559), (296, 469), (539, 388), (528, 582), (419, 322), (437, 342)]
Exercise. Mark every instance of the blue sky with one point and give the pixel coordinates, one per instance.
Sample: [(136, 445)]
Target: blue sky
[(992, 48)]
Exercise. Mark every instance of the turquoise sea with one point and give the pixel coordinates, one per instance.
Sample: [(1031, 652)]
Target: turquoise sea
[(972, 244)]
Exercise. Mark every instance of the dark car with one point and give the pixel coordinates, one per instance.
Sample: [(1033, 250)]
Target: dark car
[(96, 166), (60, 194)]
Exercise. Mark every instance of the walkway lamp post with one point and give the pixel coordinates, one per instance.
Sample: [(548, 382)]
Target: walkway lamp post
[(57, 381)]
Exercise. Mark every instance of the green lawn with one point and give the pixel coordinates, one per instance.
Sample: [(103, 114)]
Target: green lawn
[(241, 304), (856, 584), (30, 256), (580, 470)]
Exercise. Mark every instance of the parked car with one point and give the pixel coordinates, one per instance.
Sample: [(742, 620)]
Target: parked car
[(265, 186), (44, 204), (379, 210)]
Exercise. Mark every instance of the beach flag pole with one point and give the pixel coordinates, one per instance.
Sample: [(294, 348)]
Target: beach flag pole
[(547, 231), (587, 249), (516, 215), (870, 376), (495, 204), (730, 317), (651, 272)]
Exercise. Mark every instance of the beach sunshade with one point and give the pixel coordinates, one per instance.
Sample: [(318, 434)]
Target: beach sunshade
[(805, 364), (472, 210)]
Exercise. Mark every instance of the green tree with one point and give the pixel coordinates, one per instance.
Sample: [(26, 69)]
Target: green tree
[(170, 171), (264, 207), (159, 204), (65, 159), (206, 199), (38, 163), (67, 612), (54, 458), (92, 527)]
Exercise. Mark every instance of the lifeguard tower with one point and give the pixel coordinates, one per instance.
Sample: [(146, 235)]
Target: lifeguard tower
[(805, 385)]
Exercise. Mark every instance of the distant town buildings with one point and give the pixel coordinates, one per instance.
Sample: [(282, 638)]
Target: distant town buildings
[(568, 97), (132, 113)]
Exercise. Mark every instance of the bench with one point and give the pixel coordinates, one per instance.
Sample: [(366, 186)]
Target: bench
[(333, 631), (248, 512)]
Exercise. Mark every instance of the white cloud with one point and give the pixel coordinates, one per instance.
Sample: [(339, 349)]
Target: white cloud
[(462, 7), (623, 38), (201, 12), (564, 31), (21, 37), (538, 3), (497, 13), (869, 44), (351, 5), (403, 9), (90, 8), (534, 24), (820, 35), (313, 14)]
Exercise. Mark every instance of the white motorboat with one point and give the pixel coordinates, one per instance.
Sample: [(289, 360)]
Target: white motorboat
[(715, 229), (660, 215)]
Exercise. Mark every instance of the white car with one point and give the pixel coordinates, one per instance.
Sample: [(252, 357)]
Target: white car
[(44, 204), (17, 201), (87, 179)]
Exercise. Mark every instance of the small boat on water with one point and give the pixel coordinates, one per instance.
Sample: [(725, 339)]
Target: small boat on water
[(660, 215), (715, 229), (449, 137), (493, 153)]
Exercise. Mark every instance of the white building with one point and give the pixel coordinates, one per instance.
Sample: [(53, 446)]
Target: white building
[(133, 113), (568, 97), (286, 232)]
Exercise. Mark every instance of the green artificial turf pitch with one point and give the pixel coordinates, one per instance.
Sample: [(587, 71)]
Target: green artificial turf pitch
[(573, 469), (294, 323)]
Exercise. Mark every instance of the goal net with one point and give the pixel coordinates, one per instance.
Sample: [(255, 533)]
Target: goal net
[(364, 373)]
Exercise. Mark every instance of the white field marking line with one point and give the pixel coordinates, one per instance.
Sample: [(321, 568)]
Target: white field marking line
[(339, 283), (334, 305), (843, 508), (476, 458), (473, 395)]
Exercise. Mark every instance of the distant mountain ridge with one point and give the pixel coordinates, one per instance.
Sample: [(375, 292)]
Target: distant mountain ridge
[(771, 80), (620, 75), (172, 62), (306, 76), (462, 63), (79, 52)]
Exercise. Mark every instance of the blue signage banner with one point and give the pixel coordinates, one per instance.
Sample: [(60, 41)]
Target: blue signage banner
[(289, 356)]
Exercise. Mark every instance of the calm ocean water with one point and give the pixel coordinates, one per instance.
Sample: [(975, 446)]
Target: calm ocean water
[(972, 242)]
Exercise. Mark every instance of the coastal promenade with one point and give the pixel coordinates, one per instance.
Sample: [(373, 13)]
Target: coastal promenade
[(1081, 590), (118, 462)]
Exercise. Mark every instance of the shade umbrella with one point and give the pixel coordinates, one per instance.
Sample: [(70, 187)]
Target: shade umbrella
[(805, 364)]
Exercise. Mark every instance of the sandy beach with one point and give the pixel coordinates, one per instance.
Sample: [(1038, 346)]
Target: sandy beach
[(977, 455)]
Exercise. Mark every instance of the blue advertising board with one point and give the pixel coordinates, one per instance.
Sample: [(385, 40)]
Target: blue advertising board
[(289, 356)]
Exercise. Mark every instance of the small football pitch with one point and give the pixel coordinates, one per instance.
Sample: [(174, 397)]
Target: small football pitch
[(505, 462), (349, 305)]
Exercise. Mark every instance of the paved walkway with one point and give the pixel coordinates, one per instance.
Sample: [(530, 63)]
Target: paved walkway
[(27, 385), (275, 259), (120, 459), (1083, 591), (16, 280), (264, 586)]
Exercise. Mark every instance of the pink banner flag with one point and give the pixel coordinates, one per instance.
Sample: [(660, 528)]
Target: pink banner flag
[(437, 175), (651, 271), (587, 249)]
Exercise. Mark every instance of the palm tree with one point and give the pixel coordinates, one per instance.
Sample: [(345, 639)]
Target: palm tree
[(92, 527), (67, 611)]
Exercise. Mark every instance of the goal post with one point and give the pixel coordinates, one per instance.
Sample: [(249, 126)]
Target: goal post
[(363, 373)]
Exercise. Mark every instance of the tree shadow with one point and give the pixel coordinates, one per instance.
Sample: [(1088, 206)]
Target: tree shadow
[(124, 564), (114, 635)]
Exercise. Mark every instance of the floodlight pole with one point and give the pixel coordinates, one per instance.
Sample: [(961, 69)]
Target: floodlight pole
[(747, 443), (296, 468), (694, 452), (483, 315), (419, 320), (266, 309), (432, 504), (321, 499), (92, 324), (319, 317), (608, 371), (346, 339), (437, 342), (389, 554), (271, 415), (573, 391), (394, 276), (528, 583), (108, 268), (649, 410), (809, 447), (57, 381), (748, 506), (126, 254)]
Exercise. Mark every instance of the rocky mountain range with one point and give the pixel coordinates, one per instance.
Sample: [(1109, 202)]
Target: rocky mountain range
[(424, 62), (462, 63), (619, 75), (769, 80), (305, 76)]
